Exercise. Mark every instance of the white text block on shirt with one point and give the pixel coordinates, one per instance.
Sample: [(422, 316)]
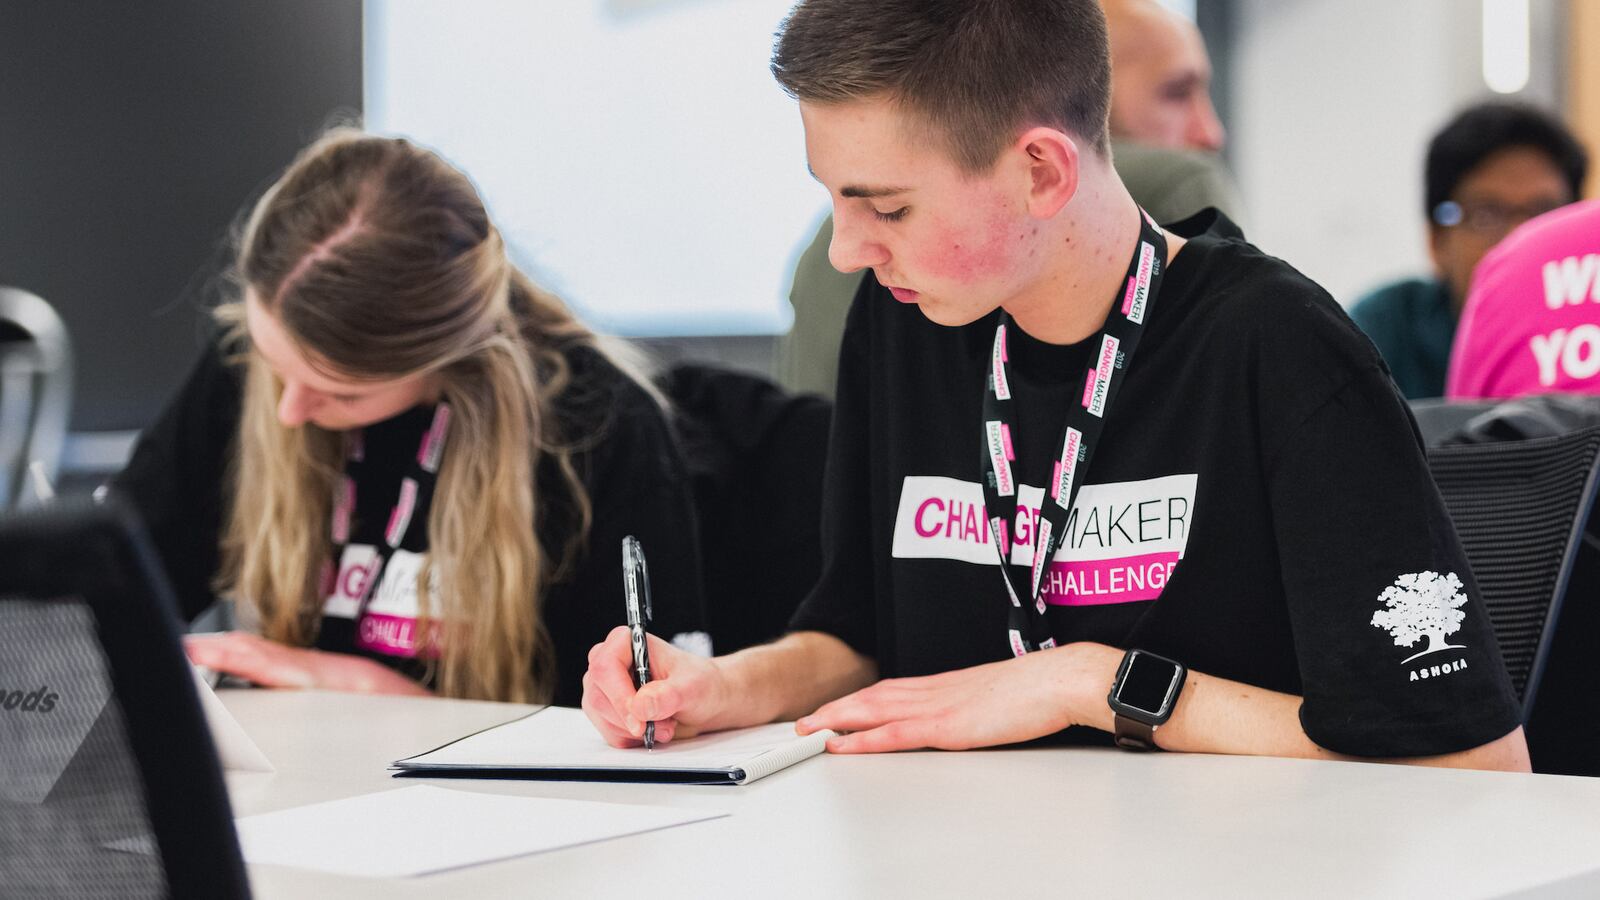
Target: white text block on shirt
[(944, 518)]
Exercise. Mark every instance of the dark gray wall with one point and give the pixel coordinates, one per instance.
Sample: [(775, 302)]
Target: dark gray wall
[(131, 135)]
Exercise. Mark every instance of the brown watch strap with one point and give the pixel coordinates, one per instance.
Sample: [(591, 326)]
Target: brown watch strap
[(1131, 734)]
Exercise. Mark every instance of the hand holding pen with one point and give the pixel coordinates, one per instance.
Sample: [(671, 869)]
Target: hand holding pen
[(636, 593), (640, 688)]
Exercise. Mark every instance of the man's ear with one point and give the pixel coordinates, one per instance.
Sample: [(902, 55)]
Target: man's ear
[(1052, 161)]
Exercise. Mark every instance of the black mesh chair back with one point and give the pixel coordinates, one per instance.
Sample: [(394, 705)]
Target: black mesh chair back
[(1519, 508), (109, 784), (1438, 419)]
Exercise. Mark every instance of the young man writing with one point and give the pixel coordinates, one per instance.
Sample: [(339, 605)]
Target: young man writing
[(1183, 446), (1164, 137)]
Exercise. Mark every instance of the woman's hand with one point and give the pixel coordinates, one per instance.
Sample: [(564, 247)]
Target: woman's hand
[(271, 664)]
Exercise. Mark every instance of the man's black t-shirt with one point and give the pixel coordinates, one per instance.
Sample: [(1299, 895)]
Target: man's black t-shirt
[(1259, 507), (629, 464)]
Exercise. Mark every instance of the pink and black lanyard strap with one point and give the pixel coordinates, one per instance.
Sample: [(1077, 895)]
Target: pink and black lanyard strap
[(421, 475), (1114, 348)]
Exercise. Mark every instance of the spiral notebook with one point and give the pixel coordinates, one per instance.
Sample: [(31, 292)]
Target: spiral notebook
[(559, 744)]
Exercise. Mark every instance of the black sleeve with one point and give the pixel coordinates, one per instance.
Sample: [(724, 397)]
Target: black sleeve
[(1397, 655), (637, 484), (841, 604), (176, 477)]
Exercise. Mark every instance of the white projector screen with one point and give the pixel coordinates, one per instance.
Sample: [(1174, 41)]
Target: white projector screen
[(637, 154)]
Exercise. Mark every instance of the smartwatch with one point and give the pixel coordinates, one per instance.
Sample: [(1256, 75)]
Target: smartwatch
[(1142, 697)]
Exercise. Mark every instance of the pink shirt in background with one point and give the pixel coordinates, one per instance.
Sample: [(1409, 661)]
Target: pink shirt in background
[(1531, 324)]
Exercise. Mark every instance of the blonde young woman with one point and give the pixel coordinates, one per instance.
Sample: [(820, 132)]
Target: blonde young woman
[(410, 467)]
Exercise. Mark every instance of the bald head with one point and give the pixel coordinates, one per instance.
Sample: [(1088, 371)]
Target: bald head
[(1160, 78)]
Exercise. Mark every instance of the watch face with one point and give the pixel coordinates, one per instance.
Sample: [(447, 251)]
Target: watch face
[(1147, 683)]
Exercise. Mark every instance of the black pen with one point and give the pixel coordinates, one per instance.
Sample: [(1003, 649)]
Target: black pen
[(636, 592)]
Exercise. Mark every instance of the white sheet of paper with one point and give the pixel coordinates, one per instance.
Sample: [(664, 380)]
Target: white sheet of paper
[(419, 830), (236, 751)]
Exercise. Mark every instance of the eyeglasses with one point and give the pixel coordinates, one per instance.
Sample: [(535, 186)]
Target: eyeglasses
[(1486, 216)]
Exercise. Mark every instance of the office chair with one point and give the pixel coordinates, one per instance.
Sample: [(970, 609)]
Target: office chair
[(1520, 508), (109, 783), (35, 391), (1439, 419)]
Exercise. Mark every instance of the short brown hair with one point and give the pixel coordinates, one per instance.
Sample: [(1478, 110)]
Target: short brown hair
[(977, 71)]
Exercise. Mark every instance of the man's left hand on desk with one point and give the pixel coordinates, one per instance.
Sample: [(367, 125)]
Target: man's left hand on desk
[(271, 664), (983, 706)]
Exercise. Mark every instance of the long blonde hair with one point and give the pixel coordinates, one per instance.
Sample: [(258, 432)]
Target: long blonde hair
[(379, 259)]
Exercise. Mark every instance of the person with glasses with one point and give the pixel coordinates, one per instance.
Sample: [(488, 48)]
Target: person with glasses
[(1531, 323), (1492, 167)]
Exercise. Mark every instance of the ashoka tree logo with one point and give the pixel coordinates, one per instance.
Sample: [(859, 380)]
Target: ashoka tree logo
[(1422, 605)]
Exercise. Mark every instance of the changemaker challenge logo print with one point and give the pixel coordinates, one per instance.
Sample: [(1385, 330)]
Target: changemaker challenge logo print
[(1424, 606)]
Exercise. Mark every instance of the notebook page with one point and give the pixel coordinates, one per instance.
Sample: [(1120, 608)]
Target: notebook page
[(557, 737)]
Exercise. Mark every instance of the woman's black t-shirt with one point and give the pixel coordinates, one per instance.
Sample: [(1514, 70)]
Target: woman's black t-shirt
[(1259, 508), (626, 458)]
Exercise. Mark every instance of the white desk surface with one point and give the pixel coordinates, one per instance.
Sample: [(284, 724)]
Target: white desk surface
[(1013, 823)]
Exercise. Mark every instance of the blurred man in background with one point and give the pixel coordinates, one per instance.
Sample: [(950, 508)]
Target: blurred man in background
[(1165, 134), (1160, 78), (1491, 168)]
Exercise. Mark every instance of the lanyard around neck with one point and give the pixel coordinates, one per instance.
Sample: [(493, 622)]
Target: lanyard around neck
[(420, 476), (1113, 347)]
